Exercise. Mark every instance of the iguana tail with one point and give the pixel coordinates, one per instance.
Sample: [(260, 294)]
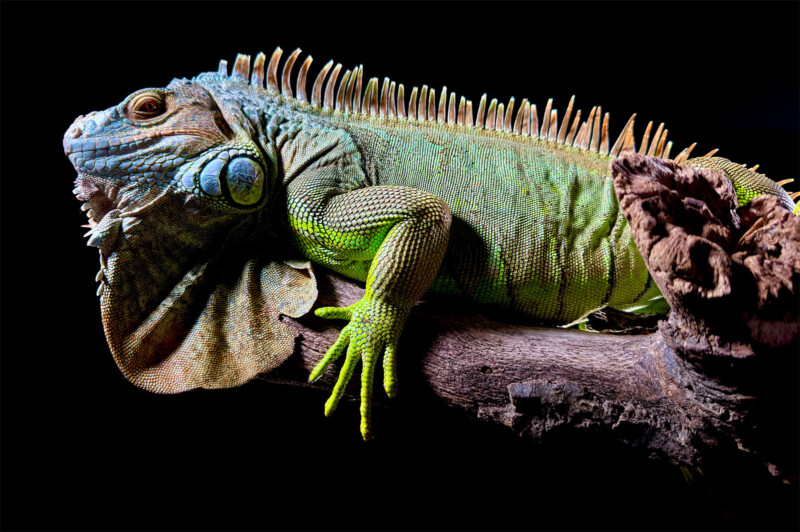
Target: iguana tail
[(747, 182)]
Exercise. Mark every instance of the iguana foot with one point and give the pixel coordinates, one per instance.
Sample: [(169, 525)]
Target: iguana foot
[(373, 331)]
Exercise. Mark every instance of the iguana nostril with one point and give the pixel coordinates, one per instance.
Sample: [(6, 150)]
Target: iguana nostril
[(74, 131)]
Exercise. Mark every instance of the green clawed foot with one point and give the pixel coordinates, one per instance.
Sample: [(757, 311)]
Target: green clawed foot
[(372, 332)]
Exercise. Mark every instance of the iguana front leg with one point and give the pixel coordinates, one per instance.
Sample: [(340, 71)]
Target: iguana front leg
[(394, 238)]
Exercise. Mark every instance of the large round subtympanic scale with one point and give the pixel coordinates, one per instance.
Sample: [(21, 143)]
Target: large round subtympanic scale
[(245, 179)]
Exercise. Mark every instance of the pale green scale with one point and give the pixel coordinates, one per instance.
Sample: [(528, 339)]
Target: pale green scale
[(536, 226)]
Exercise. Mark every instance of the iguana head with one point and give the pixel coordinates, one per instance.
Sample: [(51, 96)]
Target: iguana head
[(176, 137), (177, 189)]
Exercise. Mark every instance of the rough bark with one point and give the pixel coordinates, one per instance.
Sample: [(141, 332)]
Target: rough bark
[(719, 376)]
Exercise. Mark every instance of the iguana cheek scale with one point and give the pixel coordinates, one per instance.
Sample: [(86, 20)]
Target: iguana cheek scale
[(197, 194)]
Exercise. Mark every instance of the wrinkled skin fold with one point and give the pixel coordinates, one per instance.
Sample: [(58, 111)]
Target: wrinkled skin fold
[(187, 304)]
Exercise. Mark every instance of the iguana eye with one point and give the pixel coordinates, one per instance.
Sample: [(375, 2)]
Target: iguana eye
[(146, 106)]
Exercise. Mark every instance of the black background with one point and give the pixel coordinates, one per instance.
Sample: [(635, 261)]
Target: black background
[(84, 449)]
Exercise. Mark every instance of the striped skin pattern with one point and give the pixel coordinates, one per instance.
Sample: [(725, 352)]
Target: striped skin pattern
[(187, 186)]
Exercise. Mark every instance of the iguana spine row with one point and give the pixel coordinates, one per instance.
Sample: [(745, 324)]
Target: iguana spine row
[(592, 135)]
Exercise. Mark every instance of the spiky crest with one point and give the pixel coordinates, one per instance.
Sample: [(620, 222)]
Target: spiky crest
[(346, 97)]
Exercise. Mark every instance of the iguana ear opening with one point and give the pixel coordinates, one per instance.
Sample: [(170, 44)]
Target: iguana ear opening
[(191, 306)]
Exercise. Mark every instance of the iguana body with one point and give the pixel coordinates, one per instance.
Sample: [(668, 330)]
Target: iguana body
[(537, 227), (498, 210)]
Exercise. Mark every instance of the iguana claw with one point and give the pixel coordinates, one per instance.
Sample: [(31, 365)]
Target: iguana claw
[(372, 332)]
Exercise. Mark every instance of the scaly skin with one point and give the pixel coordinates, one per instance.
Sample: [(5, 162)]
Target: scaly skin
[(185, 185)]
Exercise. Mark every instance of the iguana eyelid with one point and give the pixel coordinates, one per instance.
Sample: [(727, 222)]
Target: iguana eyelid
[(162, 95)]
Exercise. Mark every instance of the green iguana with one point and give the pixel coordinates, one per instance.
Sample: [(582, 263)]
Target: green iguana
[(192, 191)]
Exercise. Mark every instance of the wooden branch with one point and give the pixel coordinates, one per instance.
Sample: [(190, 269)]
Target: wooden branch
[(695, 387)]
